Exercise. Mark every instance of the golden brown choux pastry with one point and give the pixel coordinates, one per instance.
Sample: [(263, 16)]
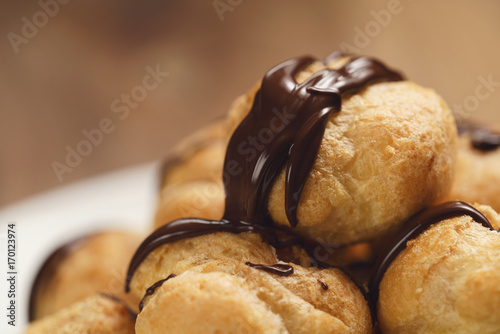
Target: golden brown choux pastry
[(216, 292), (477, 176), (387, 151), (387, 141), (191, 179), (199, 157), (180, 256), (202, 198), (95, 263), (240, 300), (97, 314), (445, 280), (392, 142)]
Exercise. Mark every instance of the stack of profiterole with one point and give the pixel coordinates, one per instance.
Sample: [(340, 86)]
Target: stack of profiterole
[(313, 209)]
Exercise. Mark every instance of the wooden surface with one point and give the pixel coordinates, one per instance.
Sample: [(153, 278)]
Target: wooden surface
[(65, 79)]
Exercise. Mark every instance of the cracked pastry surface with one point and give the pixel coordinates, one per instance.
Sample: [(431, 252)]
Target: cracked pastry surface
[(97, 314), (96, 263), (390, 140), (445, 281), (212, 275)]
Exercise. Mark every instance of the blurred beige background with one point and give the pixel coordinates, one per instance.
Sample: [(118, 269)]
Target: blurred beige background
[(65, 76)]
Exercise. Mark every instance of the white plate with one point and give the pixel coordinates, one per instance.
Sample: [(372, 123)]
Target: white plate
[(123, 199)]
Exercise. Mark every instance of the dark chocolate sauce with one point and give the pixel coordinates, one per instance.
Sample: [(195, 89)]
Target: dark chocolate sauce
[(413, 228), (151, 290), (189, 228), (284, 128), (481, 138), (485, 140), (324, 286), (278, 269)]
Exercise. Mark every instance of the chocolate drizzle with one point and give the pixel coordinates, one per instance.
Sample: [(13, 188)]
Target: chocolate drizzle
[(302, 111), (284, 128), (484, 140), (413, 228), (324, 286), (189, 228), (278, 269), (481, 138), (151, 290)]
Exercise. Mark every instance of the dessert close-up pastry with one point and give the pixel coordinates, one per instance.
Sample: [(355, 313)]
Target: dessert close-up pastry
[(477, 174), (240, 277), (388, 139), (446, 279), (309, 209), (248, 179), (191, 177), (92, 264), (97, 314)]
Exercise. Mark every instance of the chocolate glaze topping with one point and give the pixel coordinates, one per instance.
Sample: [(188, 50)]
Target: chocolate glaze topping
[(278, 269), (482, 138), (413, 228), (288, 120), (284, 128), (189, 228), (324, 286), (151, 290)]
